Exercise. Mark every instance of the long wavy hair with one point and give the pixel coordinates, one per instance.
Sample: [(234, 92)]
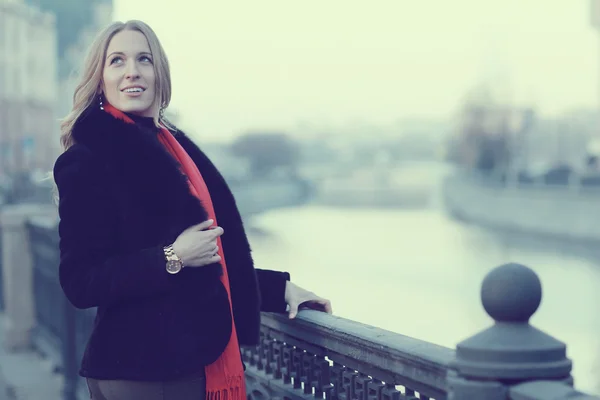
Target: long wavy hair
[(89, 88)]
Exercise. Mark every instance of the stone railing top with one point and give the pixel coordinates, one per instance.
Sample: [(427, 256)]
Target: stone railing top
[(48, 221), (385, 355), (15, 214)]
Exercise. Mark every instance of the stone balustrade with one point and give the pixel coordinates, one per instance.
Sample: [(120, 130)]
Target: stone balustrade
[(322, 356)]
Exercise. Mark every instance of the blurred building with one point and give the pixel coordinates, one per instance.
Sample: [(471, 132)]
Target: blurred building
[(78, 22), (42, 46), (28, 87), (72, 60)]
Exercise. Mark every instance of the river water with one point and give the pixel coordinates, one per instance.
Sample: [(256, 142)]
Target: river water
[(418, 273)]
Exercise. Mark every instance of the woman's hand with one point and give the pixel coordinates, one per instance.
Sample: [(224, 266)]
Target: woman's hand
[(197, 245), (296, 297)]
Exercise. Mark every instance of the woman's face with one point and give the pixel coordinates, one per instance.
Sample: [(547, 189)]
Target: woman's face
[(128, 76)]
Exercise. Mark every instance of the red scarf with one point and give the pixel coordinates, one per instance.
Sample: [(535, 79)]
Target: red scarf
[(225, 377)]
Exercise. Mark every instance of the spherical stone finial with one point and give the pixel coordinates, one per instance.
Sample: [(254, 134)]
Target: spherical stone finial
[(511, 293)]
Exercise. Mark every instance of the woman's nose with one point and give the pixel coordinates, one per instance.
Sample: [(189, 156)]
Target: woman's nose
[(132, 71)]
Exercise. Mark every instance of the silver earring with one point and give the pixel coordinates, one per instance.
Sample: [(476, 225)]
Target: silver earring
[(100, 100), (161, 112)]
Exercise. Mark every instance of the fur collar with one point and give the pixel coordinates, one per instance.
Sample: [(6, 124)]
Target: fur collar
[(143, 173)]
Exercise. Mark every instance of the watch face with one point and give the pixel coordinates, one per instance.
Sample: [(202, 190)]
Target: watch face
[(173, 266)]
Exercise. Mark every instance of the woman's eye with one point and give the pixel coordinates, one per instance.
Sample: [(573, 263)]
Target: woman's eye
[(145, 59), (116, 60)]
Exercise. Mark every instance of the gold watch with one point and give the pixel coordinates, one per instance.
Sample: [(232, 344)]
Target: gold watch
[(174, 263)]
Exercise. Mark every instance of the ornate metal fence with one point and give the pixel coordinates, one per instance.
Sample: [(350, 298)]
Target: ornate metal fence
[(329, 357)]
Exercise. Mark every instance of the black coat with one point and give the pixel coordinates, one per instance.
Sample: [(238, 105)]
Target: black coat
[(122, 198)]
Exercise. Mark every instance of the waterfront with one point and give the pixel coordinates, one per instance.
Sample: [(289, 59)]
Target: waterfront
[(418, 273)]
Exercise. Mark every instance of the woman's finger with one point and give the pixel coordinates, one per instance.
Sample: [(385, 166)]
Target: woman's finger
[(201, 226), (293, 310), (326, 305), (318, 304)]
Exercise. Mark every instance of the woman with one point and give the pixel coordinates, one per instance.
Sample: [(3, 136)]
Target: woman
[(150, 235)]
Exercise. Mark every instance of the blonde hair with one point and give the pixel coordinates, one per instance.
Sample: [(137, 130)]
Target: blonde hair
[(88, 89)]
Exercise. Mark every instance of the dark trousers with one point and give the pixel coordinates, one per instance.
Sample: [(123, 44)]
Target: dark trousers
[(191, 388)]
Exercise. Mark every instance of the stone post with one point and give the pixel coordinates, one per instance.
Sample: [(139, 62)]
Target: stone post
[(492, 363), (18, 272)]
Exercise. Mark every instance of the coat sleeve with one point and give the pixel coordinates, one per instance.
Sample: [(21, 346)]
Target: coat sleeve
[(92, 271), (271, 285)]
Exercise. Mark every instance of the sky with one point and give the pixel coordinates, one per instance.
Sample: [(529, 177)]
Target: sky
[(280, 65)]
